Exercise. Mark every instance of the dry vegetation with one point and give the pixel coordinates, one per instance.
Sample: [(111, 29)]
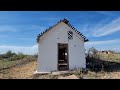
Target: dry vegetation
[(20, 72), (18, 66), (100, 66)]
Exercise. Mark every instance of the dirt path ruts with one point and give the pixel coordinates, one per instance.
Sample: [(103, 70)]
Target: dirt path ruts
[(21, 72)]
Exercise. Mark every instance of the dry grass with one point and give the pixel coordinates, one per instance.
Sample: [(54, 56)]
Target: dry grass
[(26, 72), (102, 75), (110, 57), (6, 64), (88, 75), (111, 70), (20, 72)]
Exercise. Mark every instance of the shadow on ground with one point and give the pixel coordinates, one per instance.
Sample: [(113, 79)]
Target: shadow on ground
[(97, 65)]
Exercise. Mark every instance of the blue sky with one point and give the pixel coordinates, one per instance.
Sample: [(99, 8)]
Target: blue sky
[(18, 29)]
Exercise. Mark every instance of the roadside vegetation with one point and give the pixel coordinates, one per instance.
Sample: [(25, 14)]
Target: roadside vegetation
[(10, 59), (103, 61), (99, 65)]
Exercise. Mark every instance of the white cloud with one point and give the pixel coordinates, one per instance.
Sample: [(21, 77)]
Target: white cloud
[(7, 28), (90, 29), (104, 45), (26, 50), (107, 29), (17, 28), (103, 42), (107, 13)]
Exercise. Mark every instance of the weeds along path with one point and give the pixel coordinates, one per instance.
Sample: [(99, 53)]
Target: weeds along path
[(22, 70), (9, 64)]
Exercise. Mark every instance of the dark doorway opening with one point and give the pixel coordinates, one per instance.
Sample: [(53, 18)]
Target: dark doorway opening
[(63, 57)]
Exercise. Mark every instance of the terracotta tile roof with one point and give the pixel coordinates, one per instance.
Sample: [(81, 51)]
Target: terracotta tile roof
[(66, 22)]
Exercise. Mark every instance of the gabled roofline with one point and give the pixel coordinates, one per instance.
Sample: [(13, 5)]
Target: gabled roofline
[(66, 22)]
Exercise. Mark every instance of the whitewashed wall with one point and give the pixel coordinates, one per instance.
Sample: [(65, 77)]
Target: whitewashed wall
[(48, 49)]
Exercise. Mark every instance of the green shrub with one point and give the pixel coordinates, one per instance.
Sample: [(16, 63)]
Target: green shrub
[(9, 54), (18, 56), (35, 55)]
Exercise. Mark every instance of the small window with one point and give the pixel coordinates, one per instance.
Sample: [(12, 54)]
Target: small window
[(70, 35)]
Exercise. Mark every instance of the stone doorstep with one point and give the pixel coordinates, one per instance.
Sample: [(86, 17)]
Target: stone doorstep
[(53, 73), (68, 77), (59, 72), (36, 72)]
